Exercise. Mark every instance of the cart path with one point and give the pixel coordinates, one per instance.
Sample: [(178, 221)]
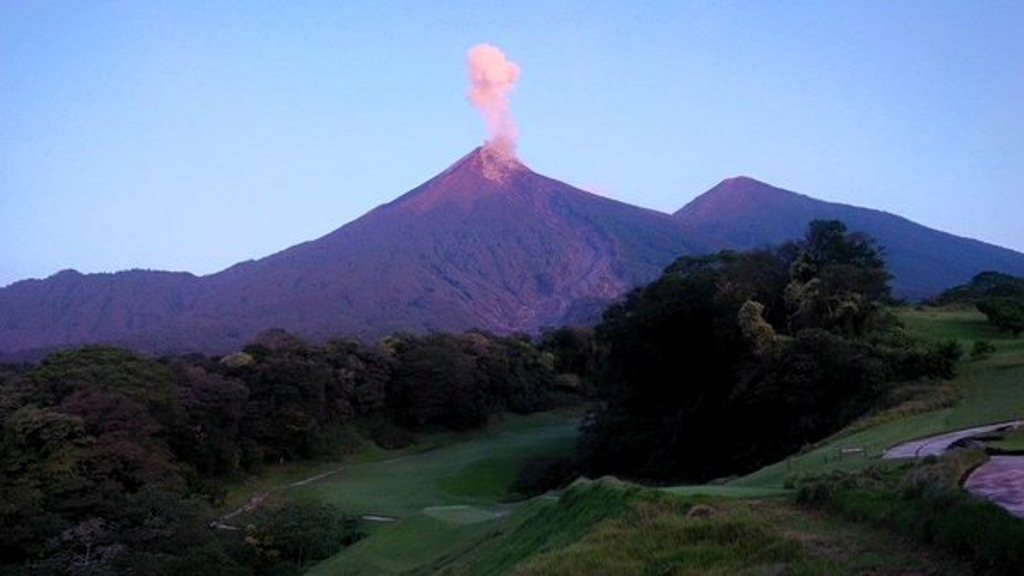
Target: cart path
[(1000, 480), (936, 445)]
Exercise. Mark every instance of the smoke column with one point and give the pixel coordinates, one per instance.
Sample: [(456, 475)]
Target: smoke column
[(491, 79)]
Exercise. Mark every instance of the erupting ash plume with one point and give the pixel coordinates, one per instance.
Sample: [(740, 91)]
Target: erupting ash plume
[(491, 78)]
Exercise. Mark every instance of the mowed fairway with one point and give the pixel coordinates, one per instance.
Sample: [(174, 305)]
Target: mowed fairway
[(478, 469), (445, 500), (992, 388), (473, 468)]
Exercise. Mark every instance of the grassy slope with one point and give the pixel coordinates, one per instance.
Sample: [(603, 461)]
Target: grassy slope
[(607, 527), (453, 522), (403, 547), (993, 392), (479, 470), (447, 498)]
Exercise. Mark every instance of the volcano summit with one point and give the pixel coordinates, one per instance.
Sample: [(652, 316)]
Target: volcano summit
[(487, 243)]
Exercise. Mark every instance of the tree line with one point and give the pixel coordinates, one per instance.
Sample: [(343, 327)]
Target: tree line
[(112, 462)]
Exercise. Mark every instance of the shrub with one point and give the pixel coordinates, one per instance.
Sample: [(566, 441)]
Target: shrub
[(982, 349), (300, 533)]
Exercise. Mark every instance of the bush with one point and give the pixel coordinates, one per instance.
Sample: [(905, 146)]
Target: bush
[(1005, 313), (982, 349), (300, 533)]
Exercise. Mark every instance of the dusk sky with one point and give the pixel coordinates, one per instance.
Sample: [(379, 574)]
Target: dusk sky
[(192, 135)]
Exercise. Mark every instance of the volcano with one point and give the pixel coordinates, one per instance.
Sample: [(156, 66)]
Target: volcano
[(742, 213), (486, 244)]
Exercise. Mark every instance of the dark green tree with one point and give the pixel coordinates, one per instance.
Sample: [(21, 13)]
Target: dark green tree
[(438, 383), (838, 280), (1004, 312), (300, 533), (731, 361)]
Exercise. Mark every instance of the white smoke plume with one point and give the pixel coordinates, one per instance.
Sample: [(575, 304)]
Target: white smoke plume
[(491, 78)]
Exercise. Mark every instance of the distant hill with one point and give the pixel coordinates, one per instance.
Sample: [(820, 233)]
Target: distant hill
[(71, 308), (487, 243), (743, 213)]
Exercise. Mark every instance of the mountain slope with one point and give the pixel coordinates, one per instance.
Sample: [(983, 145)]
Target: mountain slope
[(70, 307), (743, 213), (485, 244)]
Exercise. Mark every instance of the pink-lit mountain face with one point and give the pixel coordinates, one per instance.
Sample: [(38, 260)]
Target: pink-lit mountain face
[(743, 213), (485, 244)]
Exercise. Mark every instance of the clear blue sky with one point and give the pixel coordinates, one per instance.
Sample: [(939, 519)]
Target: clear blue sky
[(191, 135)]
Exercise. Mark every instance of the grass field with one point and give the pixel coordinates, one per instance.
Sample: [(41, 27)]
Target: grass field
[(1009, 443), (993, 391), (479, 469), (446, 499), (408, 546), (609, 527)]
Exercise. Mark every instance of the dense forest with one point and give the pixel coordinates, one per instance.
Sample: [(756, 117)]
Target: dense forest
[(732, 361), (111, 462)]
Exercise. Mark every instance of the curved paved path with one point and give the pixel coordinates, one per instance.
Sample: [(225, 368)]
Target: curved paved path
[(1000, 480), (935, 445)]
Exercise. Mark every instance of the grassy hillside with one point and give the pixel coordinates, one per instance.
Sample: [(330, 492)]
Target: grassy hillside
[(477, 469), (990, 390), (608, 527), (453, 517), (432, 500)]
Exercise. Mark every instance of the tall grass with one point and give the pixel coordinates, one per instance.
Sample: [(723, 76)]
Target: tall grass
[(662, 536), (925, 501)]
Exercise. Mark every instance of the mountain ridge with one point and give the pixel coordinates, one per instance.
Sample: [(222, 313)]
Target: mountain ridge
[(924, 261), (485, 244)]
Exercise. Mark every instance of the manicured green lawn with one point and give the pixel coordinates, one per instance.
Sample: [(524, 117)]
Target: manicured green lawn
[(446, 499), (417, 541), (478, 470), (728, 491), (1010, 442)]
